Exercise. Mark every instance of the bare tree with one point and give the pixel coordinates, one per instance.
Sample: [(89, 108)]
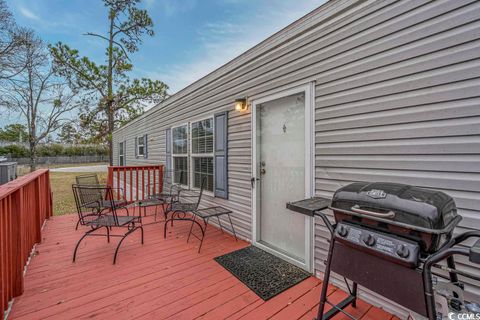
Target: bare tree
[(37, 95), (12, 38)]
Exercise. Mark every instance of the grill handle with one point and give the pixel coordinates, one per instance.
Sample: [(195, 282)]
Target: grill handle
[(388, 215)]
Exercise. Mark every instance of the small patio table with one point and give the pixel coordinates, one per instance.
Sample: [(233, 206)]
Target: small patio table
[(205, 214), (147, 203)]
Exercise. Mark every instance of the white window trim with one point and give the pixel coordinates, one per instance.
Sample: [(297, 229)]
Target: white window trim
[(121, 155), (201, 155), (138, 146), (180, 155)]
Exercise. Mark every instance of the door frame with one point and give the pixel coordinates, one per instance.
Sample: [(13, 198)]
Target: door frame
[(309, 91)]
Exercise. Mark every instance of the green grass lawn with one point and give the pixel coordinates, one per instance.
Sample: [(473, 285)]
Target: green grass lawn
[(61, 182)]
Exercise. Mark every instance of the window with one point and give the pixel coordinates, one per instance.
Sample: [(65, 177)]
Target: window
[(180, 167), (203, 167), (121, 154), (202, 153), (197, 152), (180, 154), (141, 146), (202, 136)]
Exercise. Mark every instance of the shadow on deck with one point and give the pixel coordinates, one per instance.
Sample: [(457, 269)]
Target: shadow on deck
[(163, 279)]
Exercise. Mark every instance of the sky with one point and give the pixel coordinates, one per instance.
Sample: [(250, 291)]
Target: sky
[(192, 37)]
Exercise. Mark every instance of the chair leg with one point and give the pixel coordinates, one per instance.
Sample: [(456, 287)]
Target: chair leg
[(108, 234), (166, 224), (78, 223), (204, 232), (123, 238), (78, 243), (165, 212), (191, 228), (219, 223), (231, 225), (141, 232)]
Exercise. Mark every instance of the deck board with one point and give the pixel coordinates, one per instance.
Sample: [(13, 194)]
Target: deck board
[(163, 279)]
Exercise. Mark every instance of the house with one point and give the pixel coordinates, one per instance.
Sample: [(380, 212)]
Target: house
[(353, 91)]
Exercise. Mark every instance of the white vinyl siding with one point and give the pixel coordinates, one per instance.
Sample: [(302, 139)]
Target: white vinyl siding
[(397, 99)]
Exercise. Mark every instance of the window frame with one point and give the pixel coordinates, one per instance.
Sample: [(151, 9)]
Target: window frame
[(181, 155), (138, 146), (190, 156), (121, 146), (201, 155)]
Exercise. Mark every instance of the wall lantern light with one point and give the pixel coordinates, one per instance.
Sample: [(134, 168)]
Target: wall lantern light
[(241, 105)]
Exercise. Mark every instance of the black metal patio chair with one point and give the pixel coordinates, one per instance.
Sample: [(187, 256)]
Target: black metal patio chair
[(94, 199), (183, 207), (164, 193), (107, 217), (87, 179)]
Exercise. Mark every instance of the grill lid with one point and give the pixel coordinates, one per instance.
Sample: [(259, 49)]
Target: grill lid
[(399, 202)]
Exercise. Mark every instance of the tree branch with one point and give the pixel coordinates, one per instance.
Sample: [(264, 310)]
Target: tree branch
[(105, 38)]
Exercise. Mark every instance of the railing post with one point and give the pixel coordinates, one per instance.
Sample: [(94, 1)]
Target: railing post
[(110, 177), (38, 214), (161, 178), (135, 185), (49, 196), (3, 257), (17, 245)]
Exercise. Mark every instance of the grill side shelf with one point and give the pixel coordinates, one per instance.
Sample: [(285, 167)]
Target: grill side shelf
[(309, 206)]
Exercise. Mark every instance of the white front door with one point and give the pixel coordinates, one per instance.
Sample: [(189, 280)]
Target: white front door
[(282, 162)]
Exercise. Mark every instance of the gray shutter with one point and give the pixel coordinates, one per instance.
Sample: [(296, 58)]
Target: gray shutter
[(145, 146), (221, 155), (168, 149), (136, 147)]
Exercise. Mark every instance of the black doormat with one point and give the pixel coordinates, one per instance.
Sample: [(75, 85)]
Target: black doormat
[(264, 273)]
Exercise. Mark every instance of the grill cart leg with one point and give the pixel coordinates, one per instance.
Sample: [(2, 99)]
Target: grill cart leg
[(326, 278), (350, 300), (354, 294), (451, 265)]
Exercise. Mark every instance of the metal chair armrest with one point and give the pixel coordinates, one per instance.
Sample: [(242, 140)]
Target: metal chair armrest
[(85, 205), (474, 254)]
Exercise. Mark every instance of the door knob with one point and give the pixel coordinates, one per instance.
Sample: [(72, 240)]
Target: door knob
[(262, 171)]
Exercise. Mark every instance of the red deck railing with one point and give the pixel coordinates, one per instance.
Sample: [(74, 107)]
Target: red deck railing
[(137, 182), (25, 203)]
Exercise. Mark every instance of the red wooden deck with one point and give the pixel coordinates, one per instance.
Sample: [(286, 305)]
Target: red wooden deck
[(163, 279)]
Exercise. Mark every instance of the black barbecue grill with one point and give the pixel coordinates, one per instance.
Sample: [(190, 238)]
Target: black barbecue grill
[(387, 237), (422, 215)]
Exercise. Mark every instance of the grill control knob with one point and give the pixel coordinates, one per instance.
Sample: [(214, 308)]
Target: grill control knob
[(369, 240), (342, 231), (403, 251)]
